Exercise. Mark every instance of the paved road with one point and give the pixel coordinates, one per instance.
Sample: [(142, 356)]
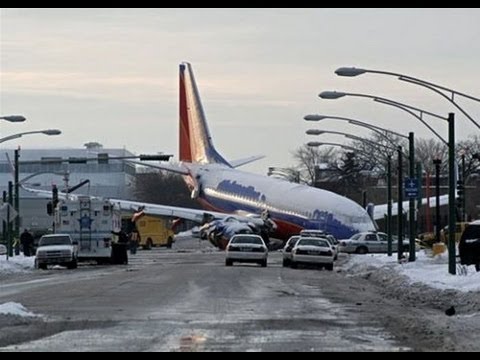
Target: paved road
[(171, 301)]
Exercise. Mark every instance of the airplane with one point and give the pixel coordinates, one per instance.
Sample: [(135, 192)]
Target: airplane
[(231, 197), (220, 187)]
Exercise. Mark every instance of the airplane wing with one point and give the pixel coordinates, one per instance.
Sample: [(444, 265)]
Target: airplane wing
[(245, 161), (161, 210), (381, 210)]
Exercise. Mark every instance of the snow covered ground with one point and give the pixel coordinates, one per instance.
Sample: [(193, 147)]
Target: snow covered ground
[(427, 270), (13, 308), (16, 264)]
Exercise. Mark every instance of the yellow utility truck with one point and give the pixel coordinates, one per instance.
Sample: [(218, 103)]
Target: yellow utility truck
[(154, 231)]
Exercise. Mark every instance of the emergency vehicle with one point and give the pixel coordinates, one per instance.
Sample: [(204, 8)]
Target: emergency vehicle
[(89, 222)]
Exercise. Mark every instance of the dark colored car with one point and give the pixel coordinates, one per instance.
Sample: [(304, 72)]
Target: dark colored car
[(469, 246)]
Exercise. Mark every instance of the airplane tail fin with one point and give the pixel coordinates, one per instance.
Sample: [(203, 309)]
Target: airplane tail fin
[(196, 144)]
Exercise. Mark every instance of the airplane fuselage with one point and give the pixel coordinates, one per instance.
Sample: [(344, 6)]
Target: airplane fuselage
[(292, 206)]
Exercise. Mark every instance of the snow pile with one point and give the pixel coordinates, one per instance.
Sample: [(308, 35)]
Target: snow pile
[(12, 308), (16, 264), (427, 270)]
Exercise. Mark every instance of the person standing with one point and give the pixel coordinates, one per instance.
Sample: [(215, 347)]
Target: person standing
[(26, 239), (119, 249)]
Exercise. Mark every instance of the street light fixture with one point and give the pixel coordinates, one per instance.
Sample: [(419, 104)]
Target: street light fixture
[(351, 148), (452, 161), (49, 132), (379, 130), (333, 95), (352, 71), (389, 180), (13, 118), (349, 136)]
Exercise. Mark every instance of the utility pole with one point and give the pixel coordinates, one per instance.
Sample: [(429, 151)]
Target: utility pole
[(400, 203), (16, 205), (452, 258), (389, 205), (412, 217), (9, 223), (4, 228), (464, 183), (437, 163)]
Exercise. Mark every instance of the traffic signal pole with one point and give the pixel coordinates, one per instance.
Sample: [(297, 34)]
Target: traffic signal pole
[(464, 183), (412, 219), (16, 204)]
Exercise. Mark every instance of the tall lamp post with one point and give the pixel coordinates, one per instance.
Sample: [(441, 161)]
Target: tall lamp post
[(16, 202), (381, 131), (389, 184), (439, 89), (437, 163), (48, 132), (418, 113)]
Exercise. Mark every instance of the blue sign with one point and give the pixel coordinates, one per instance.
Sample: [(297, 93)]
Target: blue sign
[(412, 188)]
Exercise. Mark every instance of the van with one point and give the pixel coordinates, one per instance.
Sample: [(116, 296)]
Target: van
[(154, 231), (469, 247)]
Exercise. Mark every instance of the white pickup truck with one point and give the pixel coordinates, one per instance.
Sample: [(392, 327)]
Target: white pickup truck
[(57, 249)]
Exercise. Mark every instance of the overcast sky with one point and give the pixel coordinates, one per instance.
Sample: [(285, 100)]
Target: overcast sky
[(111, 75)]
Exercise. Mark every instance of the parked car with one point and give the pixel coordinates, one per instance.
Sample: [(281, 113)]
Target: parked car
[(469, 247), (322, 235), (3, 249), (57, 249), (313, 251), (246, 248), (287, 250), (369, 242)]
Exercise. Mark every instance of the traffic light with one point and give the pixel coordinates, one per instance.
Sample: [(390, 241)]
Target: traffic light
[(54, 196), (160, 157), (460, 193), (51, 205)]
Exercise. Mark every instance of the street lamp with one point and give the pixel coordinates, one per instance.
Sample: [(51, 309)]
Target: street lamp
[(379, 130), (451, 146), (389, 181), (13, 118), (352, 71), (437, 162), (352, 137), (351, 148), (49, 132), (333, 95)]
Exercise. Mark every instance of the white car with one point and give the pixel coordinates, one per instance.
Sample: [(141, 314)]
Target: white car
[(287, 250), (57, 249), (322, 235), (313, 251), (369, 242), (246, 248), (3, 249)]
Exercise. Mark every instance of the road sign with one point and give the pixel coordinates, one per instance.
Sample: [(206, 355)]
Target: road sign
[(412, 188), (7, 212)]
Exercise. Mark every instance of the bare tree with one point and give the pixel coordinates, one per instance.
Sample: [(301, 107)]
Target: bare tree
[(427, 150), (309, 158)]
